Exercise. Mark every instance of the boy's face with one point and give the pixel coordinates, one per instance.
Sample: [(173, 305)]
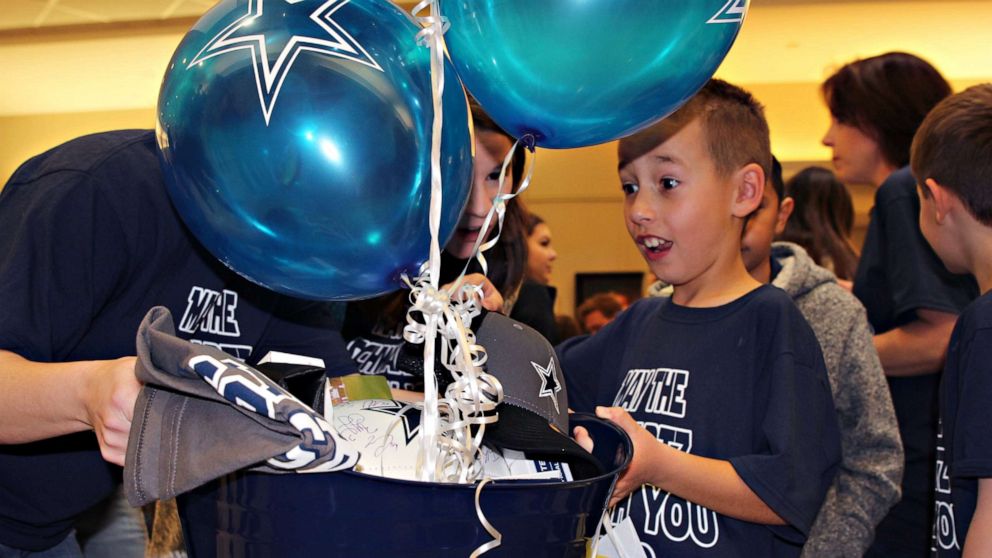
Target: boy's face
[(678, 209), (767, 222)]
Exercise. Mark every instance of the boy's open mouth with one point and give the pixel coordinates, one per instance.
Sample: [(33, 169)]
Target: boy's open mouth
[(654, 244)]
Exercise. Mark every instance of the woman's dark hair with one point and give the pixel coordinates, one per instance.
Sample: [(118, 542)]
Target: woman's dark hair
[(886, 98), (532, 220), (507, 260), (822, 220)]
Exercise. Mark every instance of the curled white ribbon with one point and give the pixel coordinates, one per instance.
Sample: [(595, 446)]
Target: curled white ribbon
[(496, 535), (449, 449)]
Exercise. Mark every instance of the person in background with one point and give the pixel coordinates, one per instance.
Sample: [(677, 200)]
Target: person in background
[(822, 221), (540, 253), (952, 163), (535, 303), (597, 311), (567, 327), (876, 105), (867, 484)]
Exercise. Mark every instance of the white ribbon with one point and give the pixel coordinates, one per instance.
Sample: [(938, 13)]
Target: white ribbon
[(496, 535), (449, 450)]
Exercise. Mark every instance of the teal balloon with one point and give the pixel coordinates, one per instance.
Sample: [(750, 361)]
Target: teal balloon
[(295, 140), (570, 73)]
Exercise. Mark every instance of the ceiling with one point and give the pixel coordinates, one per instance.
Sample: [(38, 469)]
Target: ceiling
[(28, 14), (35, 14)]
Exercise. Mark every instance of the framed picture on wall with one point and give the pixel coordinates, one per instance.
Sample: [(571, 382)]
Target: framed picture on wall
[(628, 284)]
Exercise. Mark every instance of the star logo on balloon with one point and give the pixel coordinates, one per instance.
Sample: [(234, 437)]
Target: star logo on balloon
[(731, 12), (286, 29), (549, 382)]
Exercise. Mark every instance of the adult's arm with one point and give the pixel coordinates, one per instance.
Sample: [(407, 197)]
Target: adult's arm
[(918, 347), (44, 400)]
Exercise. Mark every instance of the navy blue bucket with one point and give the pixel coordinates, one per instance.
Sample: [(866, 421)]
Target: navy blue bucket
[(354, 515)]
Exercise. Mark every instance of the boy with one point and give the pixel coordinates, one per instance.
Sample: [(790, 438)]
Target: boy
[(867, 483), (952, 162), (736, 439)]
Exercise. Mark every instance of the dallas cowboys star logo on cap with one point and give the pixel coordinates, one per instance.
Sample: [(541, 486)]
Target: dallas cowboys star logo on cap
[(258, 29), (549, 382)]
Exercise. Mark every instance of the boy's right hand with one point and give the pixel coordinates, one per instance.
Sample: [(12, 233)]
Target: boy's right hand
[(645, 460), (108, 400)]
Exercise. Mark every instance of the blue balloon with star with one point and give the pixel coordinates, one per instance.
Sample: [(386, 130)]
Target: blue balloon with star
[(295, 140), (571, 73)]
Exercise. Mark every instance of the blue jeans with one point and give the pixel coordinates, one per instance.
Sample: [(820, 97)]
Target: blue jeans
[(112, 529)]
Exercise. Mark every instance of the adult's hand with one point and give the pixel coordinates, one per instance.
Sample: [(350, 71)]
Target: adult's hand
[(108, 398)]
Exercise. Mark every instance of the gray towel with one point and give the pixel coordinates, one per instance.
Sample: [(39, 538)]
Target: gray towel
[(202, 414)]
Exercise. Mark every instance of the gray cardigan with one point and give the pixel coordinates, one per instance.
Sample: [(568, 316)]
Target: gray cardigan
[(867, 484)]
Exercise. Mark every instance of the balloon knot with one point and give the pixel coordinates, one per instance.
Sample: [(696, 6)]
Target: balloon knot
[(529, 141)]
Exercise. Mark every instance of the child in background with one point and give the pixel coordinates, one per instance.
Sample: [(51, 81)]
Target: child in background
[(722, 388), (822, 221), (952, 163), (867, 484)]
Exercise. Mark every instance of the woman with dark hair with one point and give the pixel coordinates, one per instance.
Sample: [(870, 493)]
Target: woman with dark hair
[(373, 329), (540, 253), (822, 219), (534, 304), (876, 105)]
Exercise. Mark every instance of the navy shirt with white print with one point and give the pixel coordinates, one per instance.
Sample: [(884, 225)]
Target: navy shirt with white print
[(743, 382), (90, 243), (964, 444)]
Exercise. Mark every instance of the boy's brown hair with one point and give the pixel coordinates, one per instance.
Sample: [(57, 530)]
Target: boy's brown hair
[(954, 147), (732, 119)]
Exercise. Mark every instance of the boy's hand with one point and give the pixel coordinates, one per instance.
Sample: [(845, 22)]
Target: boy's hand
[(582, 437), (109, 401), (644, 463)]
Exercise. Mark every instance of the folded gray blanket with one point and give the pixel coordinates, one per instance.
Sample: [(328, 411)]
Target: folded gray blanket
[(202, 414)]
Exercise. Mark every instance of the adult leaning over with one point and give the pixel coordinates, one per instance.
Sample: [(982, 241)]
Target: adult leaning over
[(90, 243)]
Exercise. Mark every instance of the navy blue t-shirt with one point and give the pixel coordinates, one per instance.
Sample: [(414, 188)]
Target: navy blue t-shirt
[(743, 382), (90, 243), (898, 274), (964, 441), (375, 347)]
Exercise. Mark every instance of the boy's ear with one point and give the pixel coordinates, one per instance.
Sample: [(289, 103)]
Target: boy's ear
[(785, 209), (749, 181), (945, 201)]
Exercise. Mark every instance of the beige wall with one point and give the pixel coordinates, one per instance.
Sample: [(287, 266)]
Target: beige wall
[(23, 136), (577, 192), (60, 85)]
